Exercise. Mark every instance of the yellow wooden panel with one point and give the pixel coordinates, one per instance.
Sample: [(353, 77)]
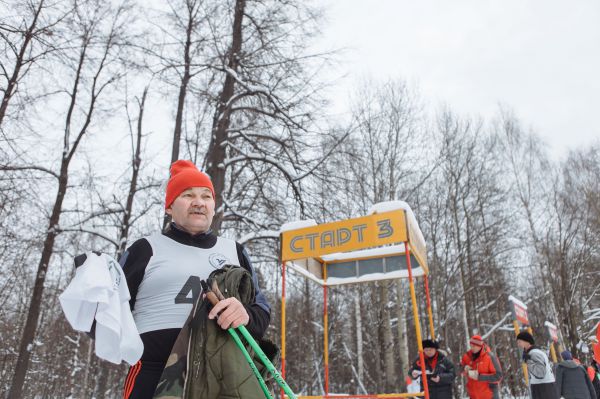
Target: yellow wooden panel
[(343, 236)]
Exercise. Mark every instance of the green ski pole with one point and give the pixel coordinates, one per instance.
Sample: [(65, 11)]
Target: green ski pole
[(278, 378), (240, 345)]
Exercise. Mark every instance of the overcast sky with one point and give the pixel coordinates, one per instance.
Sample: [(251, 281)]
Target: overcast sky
[(541, 58)]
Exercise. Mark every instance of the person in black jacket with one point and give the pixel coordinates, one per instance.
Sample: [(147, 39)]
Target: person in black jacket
[(572, 380), (164, 270), (440, 371)]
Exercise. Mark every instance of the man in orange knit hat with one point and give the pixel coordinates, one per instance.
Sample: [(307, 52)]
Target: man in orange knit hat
[(482, 369), (164, 270)]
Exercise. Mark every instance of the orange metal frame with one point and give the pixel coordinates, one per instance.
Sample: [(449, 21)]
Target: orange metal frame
[(417, 325)]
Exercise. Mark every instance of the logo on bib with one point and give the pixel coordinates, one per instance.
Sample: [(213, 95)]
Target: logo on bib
[(217, 260), (114, 273)]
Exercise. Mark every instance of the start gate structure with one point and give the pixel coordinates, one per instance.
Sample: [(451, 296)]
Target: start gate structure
[(386, 244)]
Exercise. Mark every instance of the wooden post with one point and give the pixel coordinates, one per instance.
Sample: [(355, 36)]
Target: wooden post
[(282, 324), (429, 311), (419, 337), (325, 330)]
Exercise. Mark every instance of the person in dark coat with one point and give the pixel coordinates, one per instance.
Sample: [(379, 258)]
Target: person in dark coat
[(482, 369), (440, 371), (572, 380)]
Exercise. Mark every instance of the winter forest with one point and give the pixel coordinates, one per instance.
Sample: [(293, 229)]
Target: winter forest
[(100, 96)]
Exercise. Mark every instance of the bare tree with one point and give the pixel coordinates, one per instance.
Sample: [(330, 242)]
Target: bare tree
[(127, 214), (99, 28), (136, 160), (26, 41), (181, 54), (263, 108), (570, 246)]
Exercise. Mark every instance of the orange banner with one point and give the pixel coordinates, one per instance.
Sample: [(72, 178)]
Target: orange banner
[(520, 314)]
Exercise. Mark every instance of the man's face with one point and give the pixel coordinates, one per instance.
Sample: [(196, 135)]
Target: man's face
[(475, 348), (193, 210), (429, 352)]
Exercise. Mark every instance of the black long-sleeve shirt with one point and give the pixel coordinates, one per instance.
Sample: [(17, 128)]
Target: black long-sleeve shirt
[(158, 343)]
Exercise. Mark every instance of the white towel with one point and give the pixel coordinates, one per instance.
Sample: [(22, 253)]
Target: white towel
[(99, 291)]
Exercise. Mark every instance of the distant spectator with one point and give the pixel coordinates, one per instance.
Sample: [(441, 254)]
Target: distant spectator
[(482, 369), (572, 380), (541, 379), (440, 371), (594, 374)]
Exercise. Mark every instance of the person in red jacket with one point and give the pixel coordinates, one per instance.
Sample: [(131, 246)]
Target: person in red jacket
[(482, 369)]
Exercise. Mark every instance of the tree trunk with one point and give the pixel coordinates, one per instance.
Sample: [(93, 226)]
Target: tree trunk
[(402, 331), (216, 151), (359, 337), (472, 296), (135, 165), (306, 333), (102, 379), (461, 263), (185, 80), (26, 346), (388, 341), (88, 365)]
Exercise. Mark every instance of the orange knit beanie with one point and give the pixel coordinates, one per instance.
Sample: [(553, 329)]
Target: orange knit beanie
[(184, 174)]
